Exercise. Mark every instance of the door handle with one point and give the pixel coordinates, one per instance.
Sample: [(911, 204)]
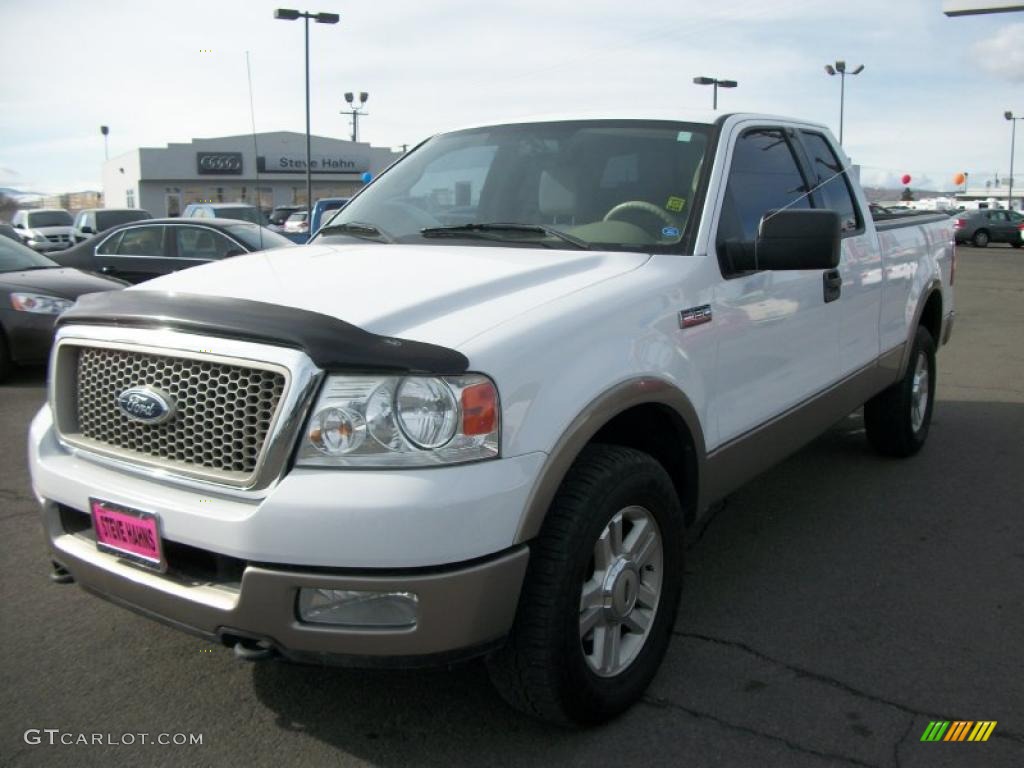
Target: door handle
[(106, 270), (832, 282)]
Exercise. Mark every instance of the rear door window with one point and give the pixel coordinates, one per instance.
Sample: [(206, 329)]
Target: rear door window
[(833, 186), (142, 241), (202, 243)]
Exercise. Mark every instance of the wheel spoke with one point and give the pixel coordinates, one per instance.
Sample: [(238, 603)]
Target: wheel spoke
[(647, 596), (645, 546), (615, 533), (638, 621), (589, 619), (606, 646), (591, 595), (603, 554)]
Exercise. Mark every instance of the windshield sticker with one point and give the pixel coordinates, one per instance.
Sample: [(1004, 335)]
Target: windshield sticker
[(675, 204), (684, 136), (669, 232)]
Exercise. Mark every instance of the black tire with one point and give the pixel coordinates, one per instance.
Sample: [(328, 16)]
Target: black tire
[(981, 239), (5, 358), (1016, 243), (889, 415), (543, 670)]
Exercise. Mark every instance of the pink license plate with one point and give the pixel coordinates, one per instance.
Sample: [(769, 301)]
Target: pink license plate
[(128, 533)]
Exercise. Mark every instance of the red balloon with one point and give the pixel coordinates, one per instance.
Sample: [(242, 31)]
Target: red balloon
[(906, 178)]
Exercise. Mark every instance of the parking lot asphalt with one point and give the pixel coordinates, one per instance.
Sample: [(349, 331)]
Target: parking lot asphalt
[(833, 607)]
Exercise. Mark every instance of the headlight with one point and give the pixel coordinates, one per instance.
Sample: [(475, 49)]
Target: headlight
[(394, 421), (39, 303)]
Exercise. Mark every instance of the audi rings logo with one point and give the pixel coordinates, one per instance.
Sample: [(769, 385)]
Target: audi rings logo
[(219, 163)]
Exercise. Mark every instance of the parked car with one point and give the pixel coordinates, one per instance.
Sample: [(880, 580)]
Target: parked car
[(989, 225), (239, 211), (92, 221), (140, 251), (33, 292), (297, 223), (280, 215), (322, 210), (44, 229), (478, 413)]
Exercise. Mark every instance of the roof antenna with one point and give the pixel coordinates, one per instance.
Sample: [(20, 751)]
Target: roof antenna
[(255, 151)]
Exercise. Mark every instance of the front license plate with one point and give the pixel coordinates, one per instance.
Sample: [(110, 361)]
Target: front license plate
[(128, 533)]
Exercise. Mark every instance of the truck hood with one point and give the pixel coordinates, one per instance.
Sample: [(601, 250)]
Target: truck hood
[(438, 294)]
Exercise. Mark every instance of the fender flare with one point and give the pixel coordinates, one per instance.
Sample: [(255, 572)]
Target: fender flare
[(934, 285), (600, 411)]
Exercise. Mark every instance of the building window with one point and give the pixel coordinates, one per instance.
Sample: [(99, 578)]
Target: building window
[(129, 198)]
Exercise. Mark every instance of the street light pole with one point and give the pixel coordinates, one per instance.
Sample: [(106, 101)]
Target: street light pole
[(288, 14), (840, 68), (105, 130), (716, 84), (1013, 140)]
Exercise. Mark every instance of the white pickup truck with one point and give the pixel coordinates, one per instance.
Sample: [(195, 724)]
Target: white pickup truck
[(477, 413)]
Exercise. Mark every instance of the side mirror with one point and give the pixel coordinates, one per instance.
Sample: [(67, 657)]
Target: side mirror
[(87, 230), (803, 239)]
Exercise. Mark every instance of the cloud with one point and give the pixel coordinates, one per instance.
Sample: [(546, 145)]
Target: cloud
[(1003, 53)]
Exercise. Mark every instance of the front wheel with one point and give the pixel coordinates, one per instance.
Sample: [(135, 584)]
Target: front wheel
[(601, 592), (897, 419)]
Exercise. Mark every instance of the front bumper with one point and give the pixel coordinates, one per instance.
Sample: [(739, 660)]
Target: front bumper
[(29, 335), (461, 609), (45, 246), (445, 534)]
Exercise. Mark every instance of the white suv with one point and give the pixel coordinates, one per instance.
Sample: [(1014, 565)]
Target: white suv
[(44, 229)]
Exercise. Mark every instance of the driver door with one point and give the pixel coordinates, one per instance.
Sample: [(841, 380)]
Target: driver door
[(778, 336)]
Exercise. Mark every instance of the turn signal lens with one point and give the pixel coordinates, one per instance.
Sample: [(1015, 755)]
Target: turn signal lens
[(479, 409), (337, 431)]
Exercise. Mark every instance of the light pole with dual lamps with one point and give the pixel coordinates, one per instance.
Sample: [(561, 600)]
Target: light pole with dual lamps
[(355, 111), (717, 84), (287, 14), (840, 68), (1013, 140)]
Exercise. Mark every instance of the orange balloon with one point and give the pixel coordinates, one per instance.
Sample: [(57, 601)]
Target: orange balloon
[(959, 178)]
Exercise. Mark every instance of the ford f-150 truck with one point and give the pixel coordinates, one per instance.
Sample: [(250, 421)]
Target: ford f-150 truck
[(478, 412)]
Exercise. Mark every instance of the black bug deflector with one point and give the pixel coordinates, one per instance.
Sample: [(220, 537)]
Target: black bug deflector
[(332, 344)]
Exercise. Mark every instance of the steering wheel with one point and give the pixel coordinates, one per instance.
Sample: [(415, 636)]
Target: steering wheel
[(641, 205)]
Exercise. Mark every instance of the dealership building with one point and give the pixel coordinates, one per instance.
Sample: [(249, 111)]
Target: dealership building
[(163, 180)]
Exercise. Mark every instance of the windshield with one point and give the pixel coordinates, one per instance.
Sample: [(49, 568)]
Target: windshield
[(50, 219), (15, 256), (610, 184), (250, 234), (242, 214), (108, 219)]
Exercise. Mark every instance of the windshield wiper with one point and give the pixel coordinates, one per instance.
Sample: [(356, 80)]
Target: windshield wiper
[(464, 229), (357, 229)]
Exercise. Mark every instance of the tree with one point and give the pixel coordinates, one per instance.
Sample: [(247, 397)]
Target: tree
[(8, 205), (907, 195)]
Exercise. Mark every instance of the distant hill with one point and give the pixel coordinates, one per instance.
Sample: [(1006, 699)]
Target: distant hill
[(17, 193), (878, 194)]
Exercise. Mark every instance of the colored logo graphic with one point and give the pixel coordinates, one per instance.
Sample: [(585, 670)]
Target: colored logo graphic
[(959, 730)]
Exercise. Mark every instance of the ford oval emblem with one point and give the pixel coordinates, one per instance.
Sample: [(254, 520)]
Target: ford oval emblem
[(146, 405)]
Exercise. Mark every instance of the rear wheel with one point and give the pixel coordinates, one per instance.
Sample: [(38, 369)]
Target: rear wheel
[(980, 238), (897, 419), (601, 592)]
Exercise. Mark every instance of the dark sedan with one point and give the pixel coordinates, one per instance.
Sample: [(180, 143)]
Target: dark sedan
[(990, 225), (33, 291), (146, 249)]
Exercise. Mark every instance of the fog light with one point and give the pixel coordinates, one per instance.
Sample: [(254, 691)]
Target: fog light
[(356, 608)]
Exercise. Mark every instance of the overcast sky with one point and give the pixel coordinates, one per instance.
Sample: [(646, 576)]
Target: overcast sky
[(930, 101)]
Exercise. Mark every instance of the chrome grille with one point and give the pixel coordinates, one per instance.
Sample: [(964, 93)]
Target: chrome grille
[(224, 412)]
